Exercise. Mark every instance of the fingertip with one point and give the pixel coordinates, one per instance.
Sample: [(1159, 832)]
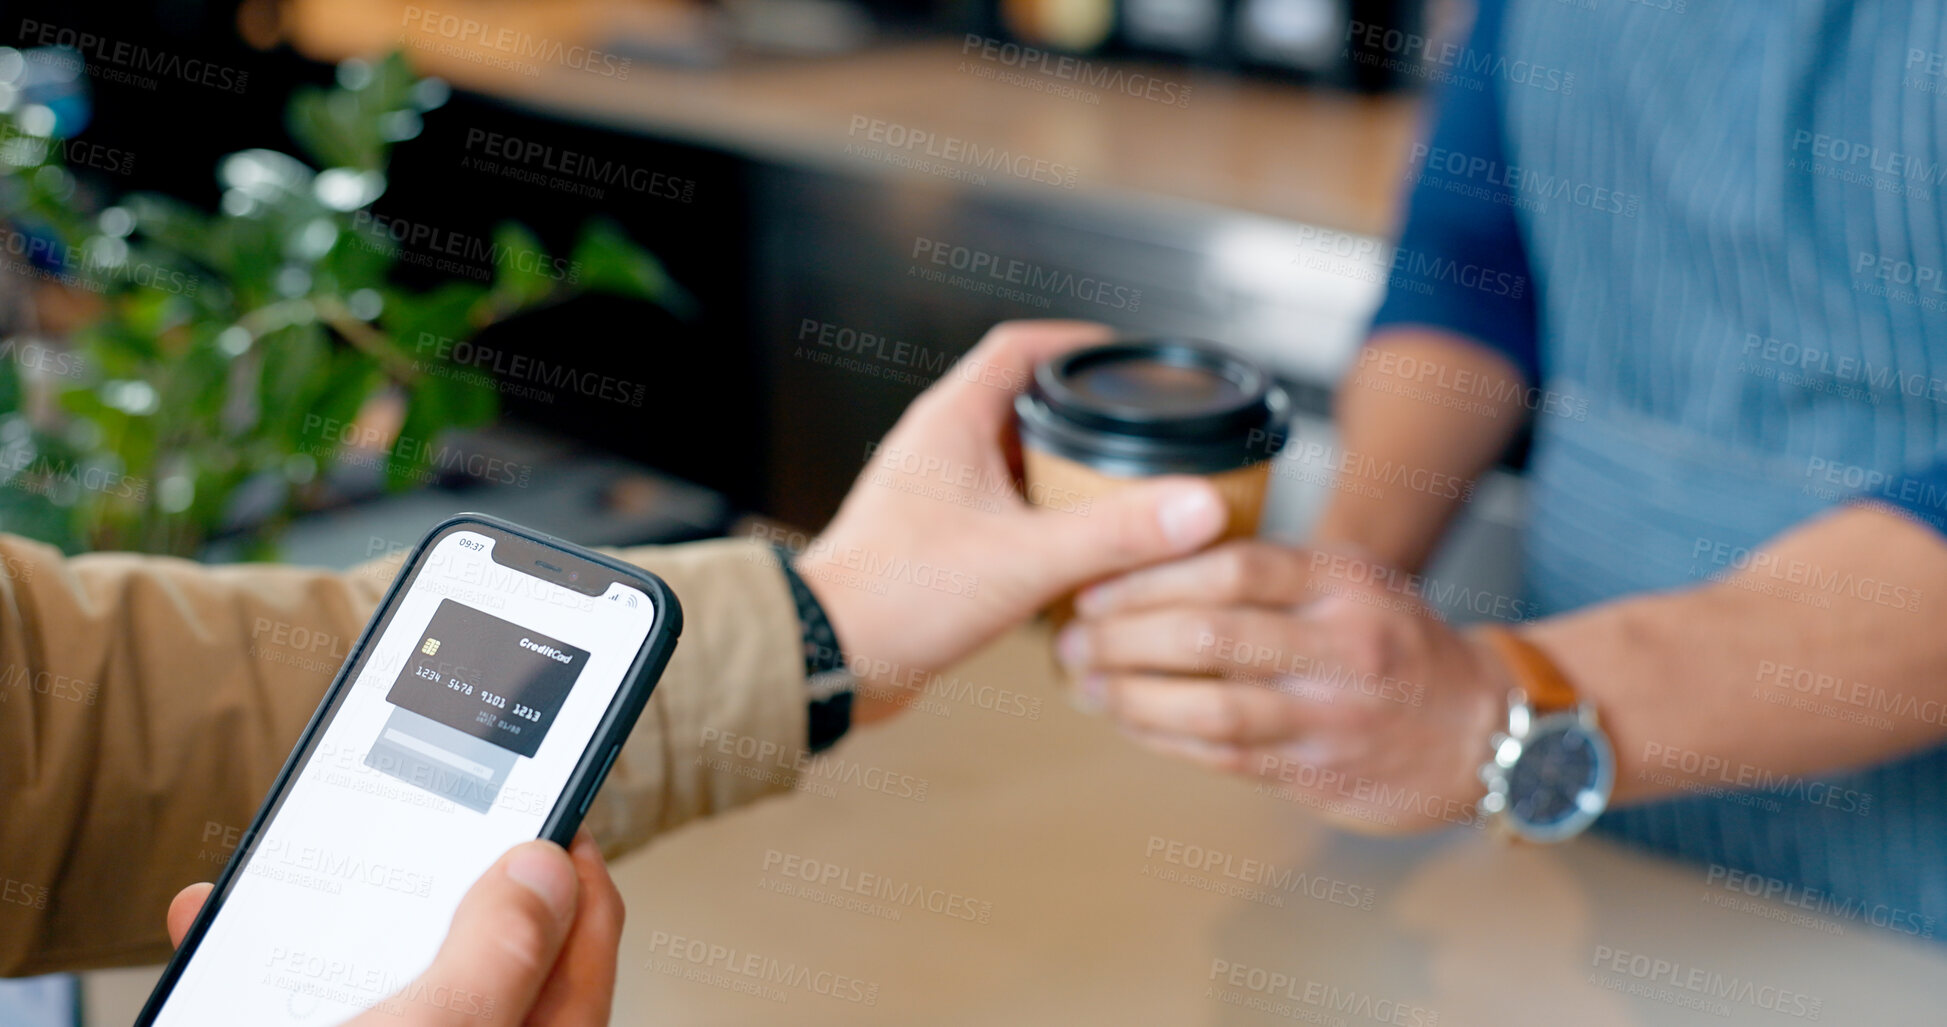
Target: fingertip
[(183, 909), (545, 869), (1190, 513)]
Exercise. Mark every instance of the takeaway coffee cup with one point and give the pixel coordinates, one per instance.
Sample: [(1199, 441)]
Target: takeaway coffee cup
[(1095, 419)]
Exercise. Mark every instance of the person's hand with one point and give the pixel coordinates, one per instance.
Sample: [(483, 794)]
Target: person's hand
[(935, 551), (1320, 672), (535, 941)]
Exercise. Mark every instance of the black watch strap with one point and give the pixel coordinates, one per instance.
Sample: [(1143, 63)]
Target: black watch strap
[(828, 684)]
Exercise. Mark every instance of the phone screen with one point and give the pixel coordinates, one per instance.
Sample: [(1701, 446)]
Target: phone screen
[(460, 728)]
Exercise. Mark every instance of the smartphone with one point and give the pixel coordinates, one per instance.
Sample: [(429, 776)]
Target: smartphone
[(480, 708)]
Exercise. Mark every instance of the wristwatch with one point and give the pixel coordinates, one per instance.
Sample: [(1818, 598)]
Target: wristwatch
[(1550, 774)]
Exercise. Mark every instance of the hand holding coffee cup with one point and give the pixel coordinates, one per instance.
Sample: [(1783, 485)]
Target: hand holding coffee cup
[(933, 553), (1096, 420)]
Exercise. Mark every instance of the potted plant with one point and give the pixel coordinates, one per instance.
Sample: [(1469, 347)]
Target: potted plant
[(202, 349)]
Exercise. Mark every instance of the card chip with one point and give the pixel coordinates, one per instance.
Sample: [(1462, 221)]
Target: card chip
[(430, 647)]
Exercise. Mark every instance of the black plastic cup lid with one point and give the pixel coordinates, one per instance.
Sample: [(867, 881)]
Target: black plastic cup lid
[(1154, 406)]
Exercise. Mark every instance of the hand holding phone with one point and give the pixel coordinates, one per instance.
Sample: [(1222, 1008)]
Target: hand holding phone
[(535, 940), (481, 708)]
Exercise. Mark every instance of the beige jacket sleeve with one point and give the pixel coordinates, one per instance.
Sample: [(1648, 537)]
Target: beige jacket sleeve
[(146, 704)]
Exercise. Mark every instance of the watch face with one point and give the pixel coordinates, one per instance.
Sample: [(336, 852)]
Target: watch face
[(1562, 780)]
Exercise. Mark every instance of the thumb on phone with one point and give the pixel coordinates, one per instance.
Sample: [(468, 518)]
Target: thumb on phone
[(505, 938)]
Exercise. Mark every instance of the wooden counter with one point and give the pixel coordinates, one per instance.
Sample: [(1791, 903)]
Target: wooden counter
[(1077, 855), (1256, 147)]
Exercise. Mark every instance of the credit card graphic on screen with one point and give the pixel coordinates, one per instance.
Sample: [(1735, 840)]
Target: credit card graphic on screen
[(476, 693)]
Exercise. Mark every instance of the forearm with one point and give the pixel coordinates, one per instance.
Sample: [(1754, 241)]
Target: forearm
[(1421, 415), (146, 705), (1701, 687)]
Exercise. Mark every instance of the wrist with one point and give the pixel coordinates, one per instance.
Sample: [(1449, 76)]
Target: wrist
[(1486, 714), (829, 685), (856, 625), (1551, 770), (1367, 530)]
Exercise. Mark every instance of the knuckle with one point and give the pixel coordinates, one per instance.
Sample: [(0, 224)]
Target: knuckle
[(1229, 721), (1202, 629), (523, 937), (1230, 570)]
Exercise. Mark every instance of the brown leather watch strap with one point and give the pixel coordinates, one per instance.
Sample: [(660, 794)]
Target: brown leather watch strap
[(1548, 689)]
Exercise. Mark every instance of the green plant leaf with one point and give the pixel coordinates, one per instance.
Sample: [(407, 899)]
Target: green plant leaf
[(9, 381), (423, 325), (608, 261), (175, 226), (524, 273), (293, 358)]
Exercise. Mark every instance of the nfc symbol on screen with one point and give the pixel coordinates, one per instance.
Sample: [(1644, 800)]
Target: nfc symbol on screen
[(629, 599)]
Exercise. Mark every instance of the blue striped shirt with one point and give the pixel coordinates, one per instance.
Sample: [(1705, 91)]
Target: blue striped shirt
[(1713, 235)]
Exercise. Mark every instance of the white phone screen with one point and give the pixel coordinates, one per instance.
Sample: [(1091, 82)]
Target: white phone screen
[(451, 745)]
